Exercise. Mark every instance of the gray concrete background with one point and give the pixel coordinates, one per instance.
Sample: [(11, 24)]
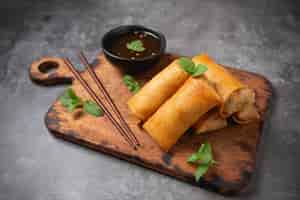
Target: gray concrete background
[(257, 35)]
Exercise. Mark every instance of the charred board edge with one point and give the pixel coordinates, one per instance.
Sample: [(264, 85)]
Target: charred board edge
[(217, 184)]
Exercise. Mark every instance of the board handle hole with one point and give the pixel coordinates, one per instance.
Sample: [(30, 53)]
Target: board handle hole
[(48, 67)]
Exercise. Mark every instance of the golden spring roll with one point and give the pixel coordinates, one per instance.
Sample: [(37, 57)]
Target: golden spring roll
[(247, 113), (162, 86), (210, 121), (231, 90), (193, 99)]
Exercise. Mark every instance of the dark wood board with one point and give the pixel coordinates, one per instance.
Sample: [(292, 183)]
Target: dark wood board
[(234, 147)]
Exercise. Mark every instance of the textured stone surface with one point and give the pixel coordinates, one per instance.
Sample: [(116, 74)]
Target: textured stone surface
[(260, 36)]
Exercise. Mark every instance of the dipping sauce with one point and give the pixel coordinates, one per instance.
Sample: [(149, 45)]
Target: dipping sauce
[(133, 48), (135, 45)]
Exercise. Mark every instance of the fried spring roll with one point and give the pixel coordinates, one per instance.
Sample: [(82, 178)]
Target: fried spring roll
[(193, 99), (162, 86), (235, 95), (210, 121)]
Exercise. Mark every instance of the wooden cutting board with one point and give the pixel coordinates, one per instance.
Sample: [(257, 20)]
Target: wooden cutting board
[(234, 148)]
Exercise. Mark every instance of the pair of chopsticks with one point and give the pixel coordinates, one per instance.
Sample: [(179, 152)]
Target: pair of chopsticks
[(121, 126)]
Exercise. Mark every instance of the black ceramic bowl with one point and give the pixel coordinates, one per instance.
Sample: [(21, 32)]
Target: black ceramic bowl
[(127, 64)]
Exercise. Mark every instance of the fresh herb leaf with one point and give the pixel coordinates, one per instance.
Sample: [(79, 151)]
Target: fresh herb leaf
[(200, 69), (92, 108), (213, 162), (205, 153), (201, 149), (131, 83), (189, 66), (72, 106), (70, 100), (193, 158), (201, 170), (135, 45), (203, 158)]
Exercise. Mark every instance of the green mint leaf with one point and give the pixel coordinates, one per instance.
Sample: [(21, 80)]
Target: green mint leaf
[(201, 170), (200, 69), (189, 66), (131, 83), (204, 158), (193, 158), (65, 101), (205, 153), (186, 62), (70, 100), (92, 108), (73, 105), (71, 94), (65, 98), (135, 45), (213, 162), (201, 149)]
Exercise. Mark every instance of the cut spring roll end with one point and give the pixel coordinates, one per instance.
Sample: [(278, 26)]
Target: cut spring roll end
[(162, 86), (210, 121), (238, 99), (249, 112), (181, 111), (223, 81), (247, 115)]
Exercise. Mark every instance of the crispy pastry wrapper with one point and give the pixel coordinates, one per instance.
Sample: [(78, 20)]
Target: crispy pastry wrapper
[(193, 99), (236, 96), (154, 93)]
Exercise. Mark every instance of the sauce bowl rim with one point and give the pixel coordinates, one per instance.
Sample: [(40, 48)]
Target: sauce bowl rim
[(113, 34)]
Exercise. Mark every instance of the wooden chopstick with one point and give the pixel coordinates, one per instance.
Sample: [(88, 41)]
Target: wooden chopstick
[(98, 101), (107, 97)]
